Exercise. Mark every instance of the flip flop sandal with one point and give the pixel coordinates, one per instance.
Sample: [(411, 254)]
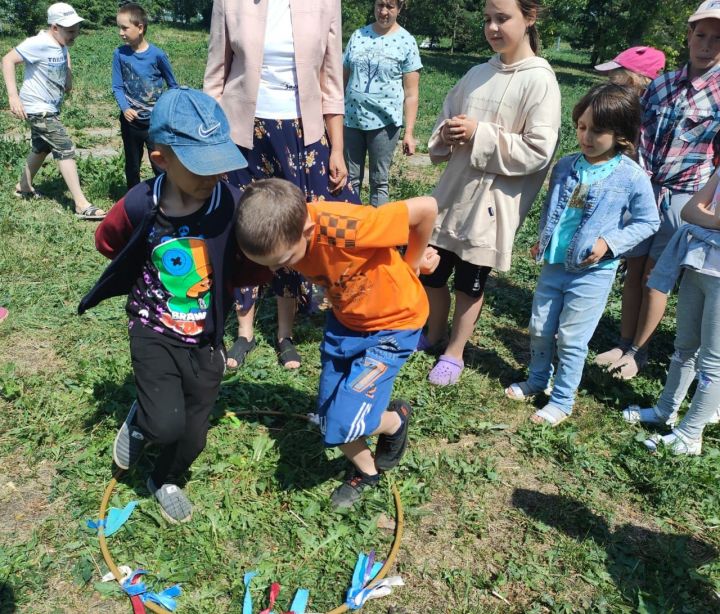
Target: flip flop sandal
[(446, 371), (239, 351), (91, 213), (287, 352), (521, 391), (4, 313), (33, 195), (550, 416)]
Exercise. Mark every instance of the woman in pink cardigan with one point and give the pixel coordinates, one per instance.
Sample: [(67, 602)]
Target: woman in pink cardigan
[(275, 67)]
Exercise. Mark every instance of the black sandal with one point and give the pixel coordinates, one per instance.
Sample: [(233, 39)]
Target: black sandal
[(239, 351), (287, 352)]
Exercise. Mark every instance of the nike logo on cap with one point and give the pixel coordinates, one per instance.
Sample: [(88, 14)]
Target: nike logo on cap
[(206, 132)]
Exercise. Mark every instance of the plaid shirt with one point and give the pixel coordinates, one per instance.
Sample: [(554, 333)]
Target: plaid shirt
[(680, 131)]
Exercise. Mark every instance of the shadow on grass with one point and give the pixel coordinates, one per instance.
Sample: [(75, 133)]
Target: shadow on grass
[(302, 464), (657, 569), (7, 598)]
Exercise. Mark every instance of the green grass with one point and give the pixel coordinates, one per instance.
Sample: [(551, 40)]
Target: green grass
[(501, 516)]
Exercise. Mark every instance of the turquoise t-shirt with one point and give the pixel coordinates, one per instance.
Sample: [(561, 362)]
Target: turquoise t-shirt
[(571, 217), (374, 94)]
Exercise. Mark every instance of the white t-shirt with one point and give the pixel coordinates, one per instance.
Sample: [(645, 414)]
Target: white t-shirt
[(278, 93), (712, 258), (46, 66)]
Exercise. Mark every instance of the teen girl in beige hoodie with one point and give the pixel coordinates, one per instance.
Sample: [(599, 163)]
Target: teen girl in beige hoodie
[(498, 130)]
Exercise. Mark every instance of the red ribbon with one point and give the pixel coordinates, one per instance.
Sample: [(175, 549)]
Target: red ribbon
[(274, 592)]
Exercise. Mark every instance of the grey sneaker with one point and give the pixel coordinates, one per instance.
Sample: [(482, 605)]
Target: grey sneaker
[(129, 441), (350, 491), (175, 507), (647, 415)]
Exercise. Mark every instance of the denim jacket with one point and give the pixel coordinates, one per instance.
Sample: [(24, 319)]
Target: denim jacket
[(688, 248), (620, 209)]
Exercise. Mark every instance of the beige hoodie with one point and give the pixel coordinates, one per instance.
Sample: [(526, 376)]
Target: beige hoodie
[(491, 181)]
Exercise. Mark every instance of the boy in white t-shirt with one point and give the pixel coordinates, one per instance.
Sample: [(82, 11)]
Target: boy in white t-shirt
[(47, 78)]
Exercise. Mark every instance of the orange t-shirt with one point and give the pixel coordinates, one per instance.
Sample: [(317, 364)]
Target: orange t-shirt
[(353, 254)]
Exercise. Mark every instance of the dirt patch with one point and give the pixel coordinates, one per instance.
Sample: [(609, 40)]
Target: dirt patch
[(31, 355), (24, 497)]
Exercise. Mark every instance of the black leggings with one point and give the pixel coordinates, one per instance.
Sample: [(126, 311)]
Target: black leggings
[(176, 390)]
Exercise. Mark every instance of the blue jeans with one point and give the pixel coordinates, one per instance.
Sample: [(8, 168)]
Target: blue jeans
[(697, 351), (379, 145), (568, 305)]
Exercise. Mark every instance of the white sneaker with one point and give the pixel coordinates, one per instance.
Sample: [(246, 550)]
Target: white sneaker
[(678, 445), (647, 415)]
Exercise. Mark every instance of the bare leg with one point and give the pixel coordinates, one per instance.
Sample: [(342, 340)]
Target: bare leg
[(286, 308), (439, 299), (32, 165), (467, 311), (632, 296), (358, 452), (68, 169), (245, 329), (652, 310)]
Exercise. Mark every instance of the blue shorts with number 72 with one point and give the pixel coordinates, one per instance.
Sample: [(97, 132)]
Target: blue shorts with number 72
[(358, 371)]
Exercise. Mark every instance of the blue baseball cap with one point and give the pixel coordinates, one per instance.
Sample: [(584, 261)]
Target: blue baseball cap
[(195, 127)]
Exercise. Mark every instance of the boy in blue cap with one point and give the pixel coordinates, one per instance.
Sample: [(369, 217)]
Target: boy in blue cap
[(174, 254)]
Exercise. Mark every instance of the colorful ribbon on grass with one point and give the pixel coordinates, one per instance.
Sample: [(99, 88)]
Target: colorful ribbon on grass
[(114, 519), (298, 606), (366, 569), (136, 588)]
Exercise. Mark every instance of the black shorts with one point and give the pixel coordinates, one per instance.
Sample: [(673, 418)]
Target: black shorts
[(469, 278)]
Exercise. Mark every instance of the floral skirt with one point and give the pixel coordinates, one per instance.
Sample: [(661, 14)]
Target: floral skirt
[(278, 151)]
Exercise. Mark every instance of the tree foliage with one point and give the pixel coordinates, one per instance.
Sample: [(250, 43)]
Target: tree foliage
[(29, 16), (605, 27)]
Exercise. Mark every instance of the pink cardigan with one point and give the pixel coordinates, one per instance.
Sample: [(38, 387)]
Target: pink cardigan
[(235, 53)]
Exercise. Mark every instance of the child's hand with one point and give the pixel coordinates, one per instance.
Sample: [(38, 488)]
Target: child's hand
[(130, 115), (430, 261), (16, 107), (408, 144), (459, 130), (598, 251), (535, 249)]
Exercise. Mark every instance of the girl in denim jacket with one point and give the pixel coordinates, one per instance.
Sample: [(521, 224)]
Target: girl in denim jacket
[(695, 249), (600, 204)]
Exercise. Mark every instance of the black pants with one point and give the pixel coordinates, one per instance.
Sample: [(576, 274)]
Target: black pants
[(135, 137), (176, 390)]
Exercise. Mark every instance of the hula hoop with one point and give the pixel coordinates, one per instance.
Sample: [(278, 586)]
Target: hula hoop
[(399, 524)]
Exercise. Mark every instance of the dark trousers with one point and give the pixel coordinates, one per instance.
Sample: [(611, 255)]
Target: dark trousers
[(176, 390), (135, 137)]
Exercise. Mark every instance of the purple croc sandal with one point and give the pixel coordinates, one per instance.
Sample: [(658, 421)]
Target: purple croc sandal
[(446, 371)]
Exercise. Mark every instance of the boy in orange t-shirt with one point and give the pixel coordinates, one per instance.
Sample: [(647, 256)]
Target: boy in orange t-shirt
[(378, 308)]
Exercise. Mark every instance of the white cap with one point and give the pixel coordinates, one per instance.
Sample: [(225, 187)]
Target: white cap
[(63, 15), (707, 10)]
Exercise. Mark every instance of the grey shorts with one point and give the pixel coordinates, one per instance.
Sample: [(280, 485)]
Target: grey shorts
[(670, 221), (47, 134)]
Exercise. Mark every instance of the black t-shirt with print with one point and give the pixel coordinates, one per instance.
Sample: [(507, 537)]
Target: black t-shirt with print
[(173, 294)]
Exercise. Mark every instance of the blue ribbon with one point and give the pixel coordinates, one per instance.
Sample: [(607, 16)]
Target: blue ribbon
[(114, 520), (165, 598), (247, 600), (135, 589), (365, 571), (300, 602)]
